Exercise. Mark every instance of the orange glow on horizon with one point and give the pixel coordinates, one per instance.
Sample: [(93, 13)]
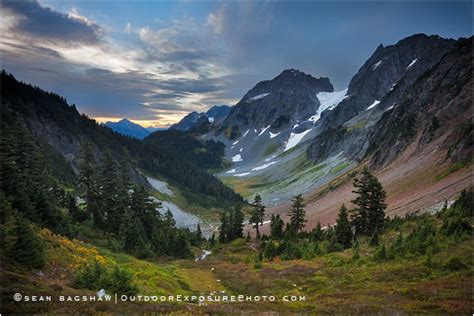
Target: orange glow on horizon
[(162, 123)]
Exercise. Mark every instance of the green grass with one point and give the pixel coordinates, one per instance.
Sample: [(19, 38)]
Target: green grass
[(286, 153), (340, 167), (272, 148), (299, 169), (453, 168), (331, 283), (358, 125)]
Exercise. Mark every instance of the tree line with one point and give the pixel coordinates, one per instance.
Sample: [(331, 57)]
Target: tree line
[(367, 218), (104, 204), (126, 211)]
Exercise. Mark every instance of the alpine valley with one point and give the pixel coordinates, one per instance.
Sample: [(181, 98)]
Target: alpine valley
[(265, 197)]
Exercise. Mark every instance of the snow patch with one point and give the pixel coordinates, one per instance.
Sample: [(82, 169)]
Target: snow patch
[(240, 150), (182, 218), (260, 96), (373, 105), (263, 130), (268, 159), (232, 171), (245, 134), (412, 63), (296, 125), (211, 119), (376, 65), (264, 166), (328, 101), (235, 143), (160, 186), (274, 135), (205, 253), (242, 174), (294, 139), (237, 158)]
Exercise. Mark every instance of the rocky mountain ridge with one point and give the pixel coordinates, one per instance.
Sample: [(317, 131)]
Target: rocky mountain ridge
[(277, 103), (335, 132), (215, 115)]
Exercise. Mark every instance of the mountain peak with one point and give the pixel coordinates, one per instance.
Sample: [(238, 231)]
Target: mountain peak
[(127, 127), (215, 114), (126, 121), (292, 72), (279, 102)]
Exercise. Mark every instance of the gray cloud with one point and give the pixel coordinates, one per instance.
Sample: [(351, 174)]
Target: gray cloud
[(34, 20), (163, 70)]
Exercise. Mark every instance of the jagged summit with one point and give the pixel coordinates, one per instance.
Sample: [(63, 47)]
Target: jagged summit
[(215, 114), (393, 69), (282, 101)]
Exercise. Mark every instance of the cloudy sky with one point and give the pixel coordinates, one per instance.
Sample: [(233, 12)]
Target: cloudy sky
[(154, 62)]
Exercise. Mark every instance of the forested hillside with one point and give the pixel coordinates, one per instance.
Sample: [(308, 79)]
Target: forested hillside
[(50, 119), (207, 154)]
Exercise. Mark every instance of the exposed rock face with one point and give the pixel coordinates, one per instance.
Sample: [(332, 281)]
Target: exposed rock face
[(379, 85), (215, 115), (186, 122), (395, 65), (439, 103), (280, 102)]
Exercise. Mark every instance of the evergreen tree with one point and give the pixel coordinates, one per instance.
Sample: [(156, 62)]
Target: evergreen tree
[(297, 215), (369, 214), (380, 253), (113, 196), (133, 237), (257, 214), (343, 228), (145, 210), (397, 248), (318, 233), (49, 215), (270, 251), (236, 220), (212, 240), (374, 240), (276, 227), (333, 245), (76, 213), (182, 246), (224, 228), (27, 248), (87, 180), (120, 281), (317, 249), (288, 250), (169, 219), (198, 235)]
